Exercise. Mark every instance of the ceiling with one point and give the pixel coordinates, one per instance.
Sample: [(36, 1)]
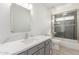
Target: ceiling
[(50, 5)]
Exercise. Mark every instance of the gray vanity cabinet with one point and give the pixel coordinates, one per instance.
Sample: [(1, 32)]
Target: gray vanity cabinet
[(47, 47), (40, 52), (23, 53), (36, 49), (47, 50), (40, 49)]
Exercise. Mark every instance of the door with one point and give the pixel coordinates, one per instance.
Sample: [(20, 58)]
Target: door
[(47, 50)]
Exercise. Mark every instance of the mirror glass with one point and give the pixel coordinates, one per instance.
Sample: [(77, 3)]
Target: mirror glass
[(20, 18)]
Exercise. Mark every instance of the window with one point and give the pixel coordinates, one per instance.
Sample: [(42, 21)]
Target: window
[(65, 25)]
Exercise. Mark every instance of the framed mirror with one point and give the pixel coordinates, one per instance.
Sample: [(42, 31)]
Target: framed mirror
[(20, 18)]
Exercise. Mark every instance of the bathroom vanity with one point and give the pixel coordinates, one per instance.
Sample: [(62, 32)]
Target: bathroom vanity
[(40, 49), (37, 45)]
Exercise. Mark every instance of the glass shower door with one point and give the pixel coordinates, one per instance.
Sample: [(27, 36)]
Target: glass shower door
[(65, 25), (59, 26)]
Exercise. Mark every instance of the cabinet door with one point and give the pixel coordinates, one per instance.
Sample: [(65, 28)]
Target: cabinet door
[(36, 48), (40, 52), (23, 53), (47, 49), (32, 50)]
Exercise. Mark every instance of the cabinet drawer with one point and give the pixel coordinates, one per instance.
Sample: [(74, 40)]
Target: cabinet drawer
[(23, 53), (40, 52), (34, 49)]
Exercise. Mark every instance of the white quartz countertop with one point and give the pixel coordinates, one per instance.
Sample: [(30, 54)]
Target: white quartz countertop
[(18, 46)]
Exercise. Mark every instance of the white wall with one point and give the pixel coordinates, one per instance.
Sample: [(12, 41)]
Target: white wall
[(20, 18), (4, 21), (40, 19)]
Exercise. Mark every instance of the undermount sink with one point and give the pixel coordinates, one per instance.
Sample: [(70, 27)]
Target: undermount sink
[(34, 39)]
